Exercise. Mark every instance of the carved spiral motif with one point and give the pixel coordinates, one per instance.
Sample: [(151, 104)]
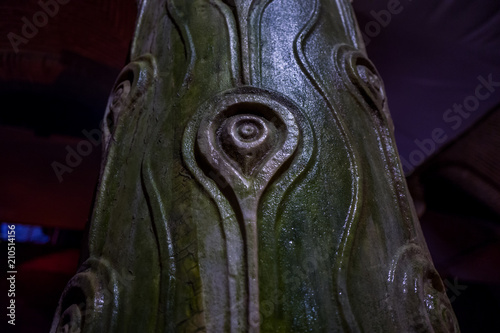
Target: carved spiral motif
[(366, 85), (77, 303), (131, 84), (248, 129), (119, 94), (246, 139), (117, 101), (88, 300), (372, 81), (422, 304)]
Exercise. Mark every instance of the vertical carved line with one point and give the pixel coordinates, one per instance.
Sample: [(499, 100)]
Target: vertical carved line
[(229, 226), (354, 211), (349, 22), (160, 219), (244, 28), (249, 14), (365, 95), (189, 48), (134, 81), (181, 24), (395, 175), (242, 10), (256, 11), (234, 45)]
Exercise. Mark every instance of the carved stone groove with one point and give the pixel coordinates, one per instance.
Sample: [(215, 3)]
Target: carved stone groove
[(244, 138)]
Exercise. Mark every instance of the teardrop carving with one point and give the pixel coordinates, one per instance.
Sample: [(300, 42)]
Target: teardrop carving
[(366, 84), (132, 82), (246, 139), (372, 84), (414, 280), (89, 301)]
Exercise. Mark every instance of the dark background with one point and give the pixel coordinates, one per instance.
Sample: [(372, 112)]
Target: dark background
[(431, 54)]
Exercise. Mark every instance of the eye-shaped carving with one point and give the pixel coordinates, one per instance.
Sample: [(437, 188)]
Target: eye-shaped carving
[(130, 85), (246, 139), (367, 85), (369, 82), (236, 145), (76, 305), (117, 102), (88, 300), (120, 93), (420, 302), (118, 97)]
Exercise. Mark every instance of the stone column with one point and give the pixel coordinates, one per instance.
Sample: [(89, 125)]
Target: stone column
[(251, 183)]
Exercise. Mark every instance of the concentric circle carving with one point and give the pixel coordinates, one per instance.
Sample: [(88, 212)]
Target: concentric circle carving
[(88, 300), (372, 82), (364, 79), (246, 139), (131, 84), (421, 304)]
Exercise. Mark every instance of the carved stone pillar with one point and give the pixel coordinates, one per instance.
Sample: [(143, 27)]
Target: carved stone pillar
[(251, 183)]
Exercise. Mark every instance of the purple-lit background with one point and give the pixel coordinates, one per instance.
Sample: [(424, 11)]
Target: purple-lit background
[(430, 54)]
